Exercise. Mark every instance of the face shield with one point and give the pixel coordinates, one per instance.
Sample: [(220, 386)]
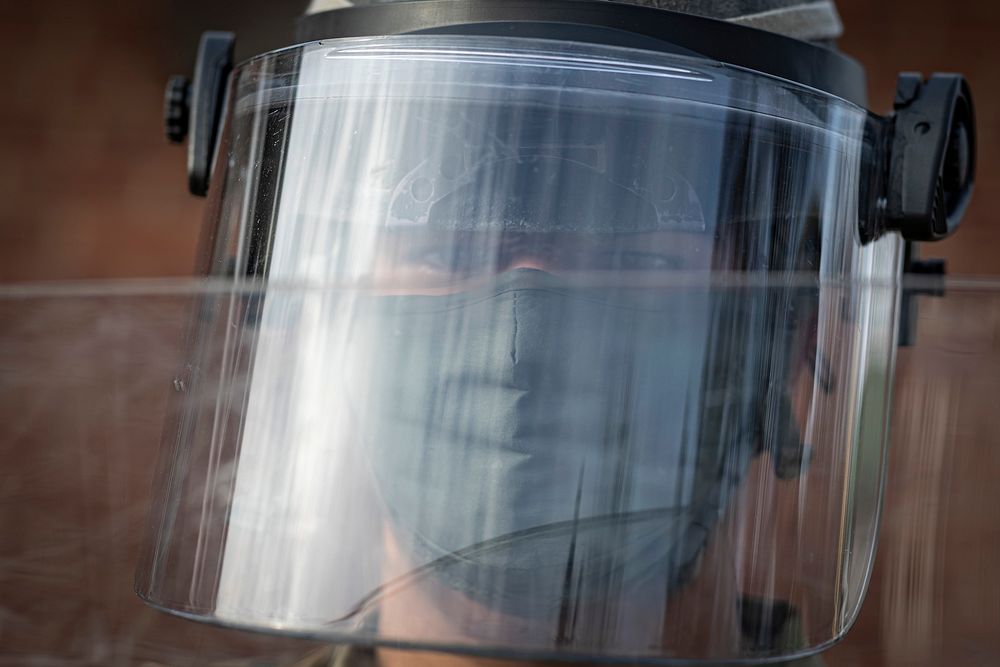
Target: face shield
[(535, 349)]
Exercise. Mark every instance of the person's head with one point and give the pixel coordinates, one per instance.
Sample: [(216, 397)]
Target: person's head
[(573, 347)]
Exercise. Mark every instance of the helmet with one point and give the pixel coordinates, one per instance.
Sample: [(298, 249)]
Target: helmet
[(551, 330)]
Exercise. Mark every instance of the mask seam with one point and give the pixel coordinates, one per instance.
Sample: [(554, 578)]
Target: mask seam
[(513, 342)]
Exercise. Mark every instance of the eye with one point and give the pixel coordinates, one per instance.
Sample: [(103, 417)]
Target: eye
[(435, 259), (627, 260), (456, 259)]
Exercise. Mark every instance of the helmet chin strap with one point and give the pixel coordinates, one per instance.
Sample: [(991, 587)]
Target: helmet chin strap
[(803, 19)]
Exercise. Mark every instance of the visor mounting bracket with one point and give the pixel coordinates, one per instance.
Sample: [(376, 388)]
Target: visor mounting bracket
[(932, 156), (193, 109)]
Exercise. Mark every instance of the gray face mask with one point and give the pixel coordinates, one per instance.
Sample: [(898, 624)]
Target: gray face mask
[(538, 445)]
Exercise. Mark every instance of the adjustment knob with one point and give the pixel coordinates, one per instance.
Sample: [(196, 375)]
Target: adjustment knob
[(177, 108)]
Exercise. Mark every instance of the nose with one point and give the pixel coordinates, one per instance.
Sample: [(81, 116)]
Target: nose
[(528, 252), (530, 262)]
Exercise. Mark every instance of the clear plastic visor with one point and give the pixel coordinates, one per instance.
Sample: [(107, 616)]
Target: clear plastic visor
[(532, 349)]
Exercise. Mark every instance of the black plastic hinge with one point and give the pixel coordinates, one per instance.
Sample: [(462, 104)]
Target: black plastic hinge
[(193, 108), (931, 156)]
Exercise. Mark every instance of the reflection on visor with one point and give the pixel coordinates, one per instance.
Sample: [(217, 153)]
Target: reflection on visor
[(523, 194)]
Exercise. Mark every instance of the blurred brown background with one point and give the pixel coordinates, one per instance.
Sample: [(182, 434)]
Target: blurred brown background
[(90, 189)]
